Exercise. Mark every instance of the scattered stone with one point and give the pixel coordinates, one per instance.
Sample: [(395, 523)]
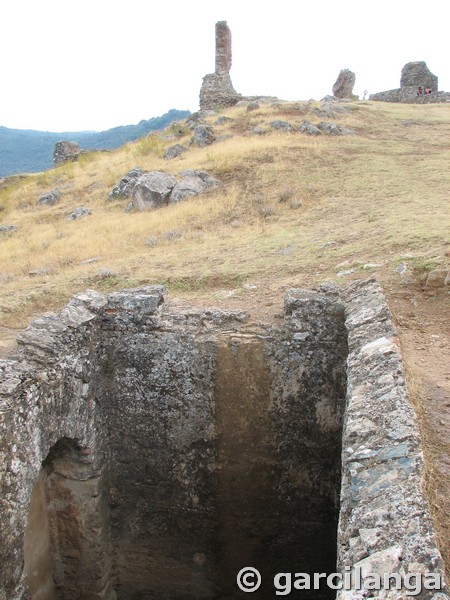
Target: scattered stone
[(345, 272), (295, 204), (402, 268), (372, 266), (258, 131), (222, 120), (334, 129), (106, 273), (174, 151), (252, 106), (235, 223), (66, 152), (308, 128), (281, 125), (265, 210), (7, 229), (225, 294), (217, 91), (77, 213), (88, 261), (192, 184), (39, 272), (250, 287), (330, 110), (152, 241), (50, 198), (203, 136), (286, 250), (125, 186), (152, 190), (343, 87), (437, 282), (173, 234)]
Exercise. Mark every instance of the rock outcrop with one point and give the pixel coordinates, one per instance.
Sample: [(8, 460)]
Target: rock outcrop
[(154, 189), (192, 184), (174, 151), (217, 91), (124, 187), (50, 198), (65, 152), (343, 87), (417, 74)]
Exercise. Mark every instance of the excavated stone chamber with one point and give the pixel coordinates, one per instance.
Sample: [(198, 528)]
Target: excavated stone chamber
[(154, 454)]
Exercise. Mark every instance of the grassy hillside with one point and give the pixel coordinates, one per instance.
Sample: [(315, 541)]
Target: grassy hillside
[(292, 208), (28, 151), (292, 211)]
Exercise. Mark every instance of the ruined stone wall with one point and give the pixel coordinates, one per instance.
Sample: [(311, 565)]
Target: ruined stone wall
[(172, 449), (414, 75), (47, 396), (385, 524), (224, 438)]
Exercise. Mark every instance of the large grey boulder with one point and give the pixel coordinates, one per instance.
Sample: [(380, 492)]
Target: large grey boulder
[(78, 213), (50, 198), (65, 152), (203, 136), (343, 87), (281, 125), (152, 190), (192, 184), (334, 129), (124, 187), (308, 128), (174, 151), (415, 74)]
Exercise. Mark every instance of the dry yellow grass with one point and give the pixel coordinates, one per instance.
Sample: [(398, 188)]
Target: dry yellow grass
[(369, 198)]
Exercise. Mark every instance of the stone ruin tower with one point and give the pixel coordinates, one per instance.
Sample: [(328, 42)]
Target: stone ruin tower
[(217, 90)]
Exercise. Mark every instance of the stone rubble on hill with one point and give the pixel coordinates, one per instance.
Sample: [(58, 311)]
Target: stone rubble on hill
[(123, 188), (203, 136), (50, 198), (174, 151), (154, 189), (77, 213)]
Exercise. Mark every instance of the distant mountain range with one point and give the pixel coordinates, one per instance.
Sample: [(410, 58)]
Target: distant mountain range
[(29, 151)]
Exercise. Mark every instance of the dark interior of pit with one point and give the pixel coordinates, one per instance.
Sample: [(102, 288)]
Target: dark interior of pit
[(220, 450)]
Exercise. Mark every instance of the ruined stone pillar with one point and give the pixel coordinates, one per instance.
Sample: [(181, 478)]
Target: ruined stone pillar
[(223, 47), (217, 91)]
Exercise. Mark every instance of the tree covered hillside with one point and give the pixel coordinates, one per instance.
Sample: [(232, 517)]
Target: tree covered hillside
[(29, 151)]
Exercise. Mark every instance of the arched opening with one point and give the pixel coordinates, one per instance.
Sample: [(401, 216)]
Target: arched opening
[(66, 550)]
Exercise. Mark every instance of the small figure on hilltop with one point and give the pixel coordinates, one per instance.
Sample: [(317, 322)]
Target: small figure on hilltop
[(428, 91), (419, 90)]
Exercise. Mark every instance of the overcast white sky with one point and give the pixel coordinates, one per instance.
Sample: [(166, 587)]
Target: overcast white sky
[(96, 64)]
